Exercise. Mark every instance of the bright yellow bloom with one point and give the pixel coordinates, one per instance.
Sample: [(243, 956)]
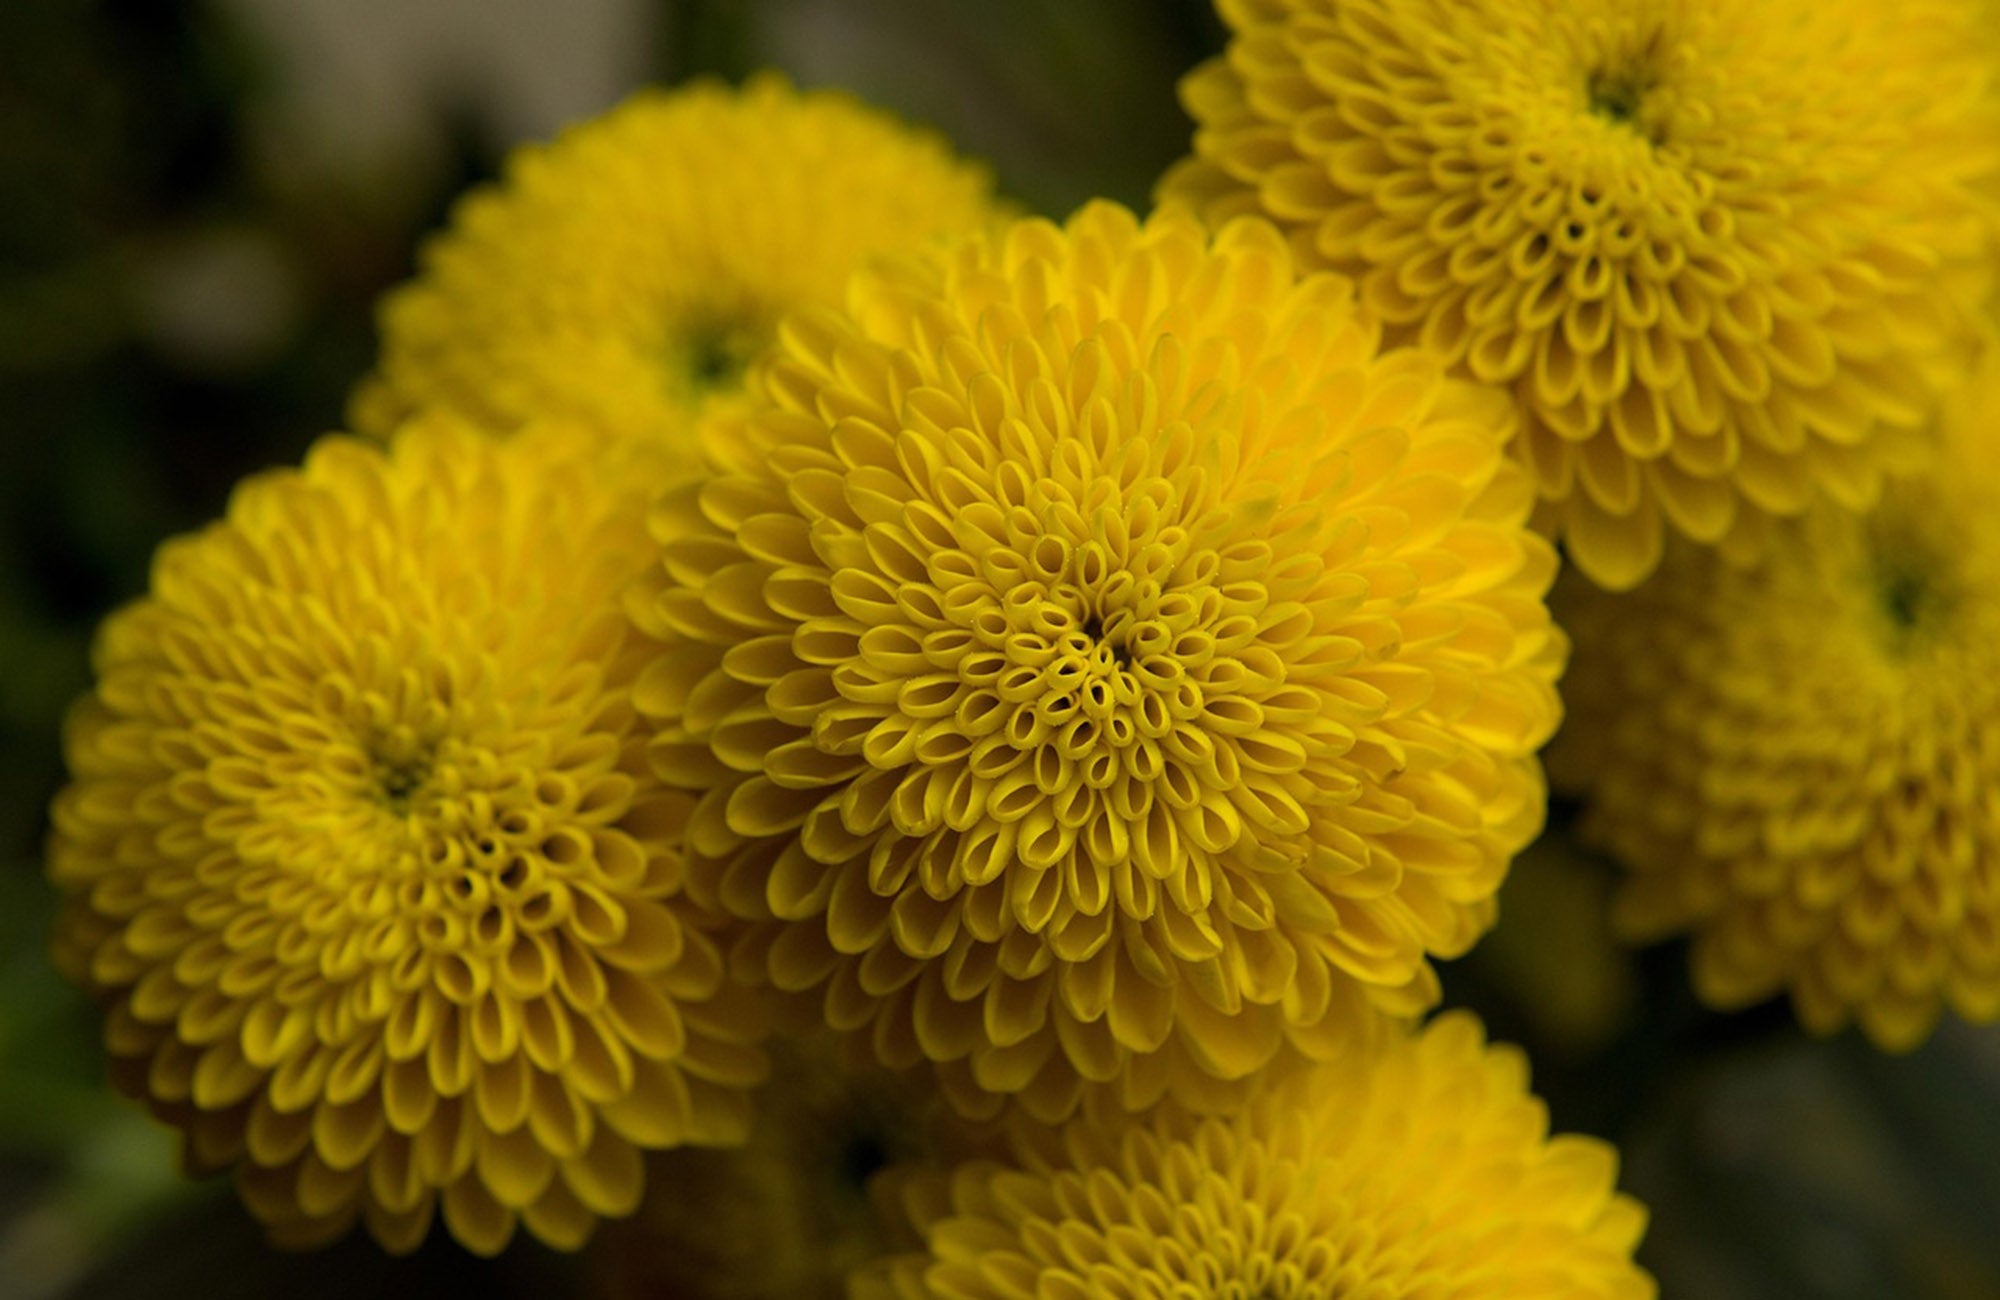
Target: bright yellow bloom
[(1104, 664), (363, 853), (1799, 762), (1719, 251), (1429, 1175), (624, 275)]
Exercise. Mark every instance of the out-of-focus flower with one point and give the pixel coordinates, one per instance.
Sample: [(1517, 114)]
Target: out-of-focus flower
[(1103, 664), (1722, 254), (1799, 761), (788, 1216), (363, 853), (624, 275), (1429, 1174)]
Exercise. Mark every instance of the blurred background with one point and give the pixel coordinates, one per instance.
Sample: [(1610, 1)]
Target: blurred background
[(200, 203)]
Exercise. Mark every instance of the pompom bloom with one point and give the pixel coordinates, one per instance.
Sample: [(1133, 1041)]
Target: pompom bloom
[(1102, 664), (363, 853), (1428, 1176), (624, 275), (1801, 763), (1718, 251)]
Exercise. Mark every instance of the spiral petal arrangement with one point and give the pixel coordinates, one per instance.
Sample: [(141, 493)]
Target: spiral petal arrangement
[(624, 276), (1722, 254), (363, 854), (1103, 665), (1798, 762), (1429, 1175)]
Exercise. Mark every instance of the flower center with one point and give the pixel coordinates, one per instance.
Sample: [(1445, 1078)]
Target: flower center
[(402, 762), (1093, 627), (1903, 596), (1617, 89), (1617, 97), (1907, 591), (861, 1156), (398, 783), (1910, 580), (712, 353)]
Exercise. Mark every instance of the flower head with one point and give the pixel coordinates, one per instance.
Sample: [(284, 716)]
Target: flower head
[(1720, 253), (625, 275), (1798, 761), (1102, 664), (1428, 1175), (363, 854)]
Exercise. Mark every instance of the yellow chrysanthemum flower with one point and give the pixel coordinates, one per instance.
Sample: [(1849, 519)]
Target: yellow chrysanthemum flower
[(364, 855), (788, 1216), (1799, 761), (625, 274), (1429, 1175), (1719, 252), (1104, 664)]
